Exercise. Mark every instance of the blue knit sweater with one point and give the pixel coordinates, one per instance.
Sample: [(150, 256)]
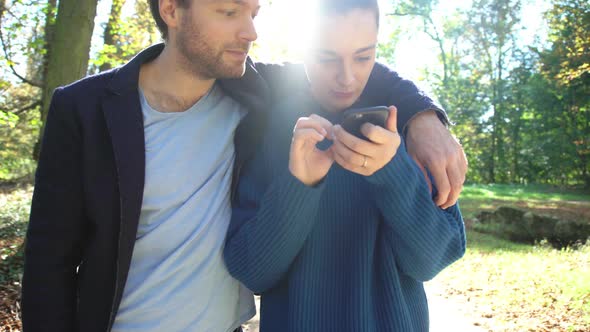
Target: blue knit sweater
[(349, 254)]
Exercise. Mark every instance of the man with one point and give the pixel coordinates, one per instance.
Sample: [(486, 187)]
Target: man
[(132, 194)]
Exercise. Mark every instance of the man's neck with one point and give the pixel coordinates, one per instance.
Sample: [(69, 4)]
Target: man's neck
[(168, 87)]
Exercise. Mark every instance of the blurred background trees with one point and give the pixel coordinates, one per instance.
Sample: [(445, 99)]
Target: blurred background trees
[(521, 108)]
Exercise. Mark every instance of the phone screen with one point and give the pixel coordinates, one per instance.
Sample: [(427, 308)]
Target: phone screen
[(353, 119)]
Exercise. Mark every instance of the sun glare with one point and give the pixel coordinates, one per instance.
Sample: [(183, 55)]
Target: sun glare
[(284, 29)]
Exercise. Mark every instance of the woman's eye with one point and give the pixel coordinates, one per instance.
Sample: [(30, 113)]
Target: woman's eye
[(228, 13)]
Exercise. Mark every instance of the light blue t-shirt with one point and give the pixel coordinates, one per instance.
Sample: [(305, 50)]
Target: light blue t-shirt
[(178, 280)]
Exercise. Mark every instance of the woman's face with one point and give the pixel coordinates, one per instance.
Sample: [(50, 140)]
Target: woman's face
[(342, 57)]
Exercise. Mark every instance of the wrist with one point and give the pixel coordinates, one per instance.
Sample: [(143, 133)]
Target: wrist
[(425, 119), (309, 182), (396, 172)]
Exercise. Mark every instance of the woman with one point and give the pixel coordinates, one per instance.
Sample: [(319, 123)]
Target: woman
[(338, 233)]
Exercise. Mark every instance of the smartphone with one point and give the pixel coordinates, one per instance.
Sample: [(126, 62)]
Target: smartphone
[(354, 118)]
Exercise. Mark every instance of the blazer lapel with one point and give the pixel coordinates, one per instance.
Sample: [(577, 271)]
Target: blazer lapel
[(125, 125), (124, 119)]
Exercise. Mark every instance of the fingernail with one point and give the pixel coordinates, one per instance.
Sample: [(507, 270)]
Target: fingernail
[(334, 131)]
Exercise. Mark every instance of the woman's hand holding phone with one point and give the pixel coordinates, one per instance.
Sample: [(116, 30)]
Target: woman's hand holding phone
[(366, 157), (363, 156), (306, 162)]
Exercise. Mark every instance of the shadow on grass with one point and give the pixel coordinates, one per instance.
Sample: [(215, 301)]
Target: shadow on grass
[(519, 192), (488, 243)]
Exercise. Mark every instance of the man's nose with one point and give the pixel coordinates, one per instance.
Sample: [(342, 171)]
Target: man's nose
[(248, 31)]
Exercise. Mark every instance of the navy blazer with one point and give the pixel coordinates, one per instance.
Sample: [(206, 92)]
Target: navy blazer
[(88, 195), (90, 178)]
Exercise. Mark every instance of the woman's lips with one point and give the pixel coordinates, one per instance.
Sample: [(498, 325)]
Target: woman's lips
[(342, 95)]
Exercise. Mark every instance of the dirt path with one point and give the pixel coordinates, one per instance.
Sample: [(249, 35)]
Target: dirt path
[(446, 314)]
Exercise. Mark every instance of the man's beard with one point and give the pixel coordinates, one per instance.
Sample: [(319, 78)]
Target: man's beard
[(201, 58)]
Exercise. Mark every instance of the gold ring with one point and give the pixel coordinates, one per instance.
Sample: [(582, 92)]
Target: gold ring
[(365, 162)]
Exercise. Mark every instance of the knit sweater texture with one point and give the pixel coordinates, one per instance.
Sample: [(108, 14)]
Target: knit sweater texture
[(350, 254)]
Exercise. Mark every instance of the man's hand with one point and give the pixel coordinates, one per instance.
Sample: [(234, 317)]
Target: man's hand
[(367, 157), (432, 146), (306, 162)]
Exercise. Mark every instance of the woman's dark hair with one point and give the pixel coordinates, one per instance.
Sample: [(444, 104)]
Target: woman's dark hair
[(155, 9), (331, 7)]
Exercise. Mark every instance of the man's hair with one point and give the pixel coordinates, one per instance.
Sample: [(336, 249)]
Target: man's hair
[(155, 9), (339, 7)]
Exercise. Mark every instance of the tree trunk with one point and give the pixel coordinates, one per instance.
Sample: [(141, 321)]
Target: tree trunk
[(500, 115), (515, 178), (493, 150), (49, 31), (2, 8), (492, 165), (112, 28), (45, 94), (585, 174), (70, 47)]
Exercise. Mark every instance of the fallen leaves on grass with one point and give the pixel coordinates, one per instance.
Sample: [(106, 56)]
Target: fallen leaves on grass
[(536, 289), (10, 309)]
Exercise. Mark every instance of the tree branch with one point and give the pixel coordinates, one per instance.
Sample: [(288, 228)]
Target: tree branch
[(22, 78), (401, 14), (27, 108)]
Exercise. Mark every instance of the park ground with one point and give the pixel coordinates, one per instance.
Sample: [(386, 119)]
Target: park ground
[(498, 286)]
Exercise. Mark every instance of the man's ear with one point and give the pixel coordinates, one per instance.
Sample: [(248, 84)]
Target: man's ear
[(169, 13)]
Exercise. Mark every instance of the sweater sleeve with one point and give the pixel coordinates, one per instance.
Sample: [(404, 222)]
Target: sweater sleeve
[(425, 238), (386, 87), (269, 225)]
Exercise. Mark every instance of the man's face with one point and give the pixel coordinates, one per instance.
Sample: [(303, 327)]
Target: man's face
[(342, 57), (214, 36)]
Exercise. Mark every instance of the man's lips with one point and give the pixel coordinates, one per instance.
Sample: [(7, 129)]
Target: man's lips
[(238, 53)]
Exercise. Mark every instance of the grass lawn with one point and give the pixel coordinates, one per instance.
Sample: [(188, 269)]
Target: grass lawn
[(506, 286), (572, 205), (513, 287), (517, 287)]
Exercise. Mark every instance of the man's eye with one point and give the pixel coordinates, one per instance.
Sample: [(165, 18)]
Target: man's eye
[(363, 59), (326, 60)]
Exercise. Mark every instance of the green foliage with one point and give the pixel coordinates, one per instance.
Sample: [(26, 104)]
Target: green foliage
[(23, 37), (522, 114), (130, 35), (386, 49), (18, 136), (18, 133), (566, 68), (13, 224)]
